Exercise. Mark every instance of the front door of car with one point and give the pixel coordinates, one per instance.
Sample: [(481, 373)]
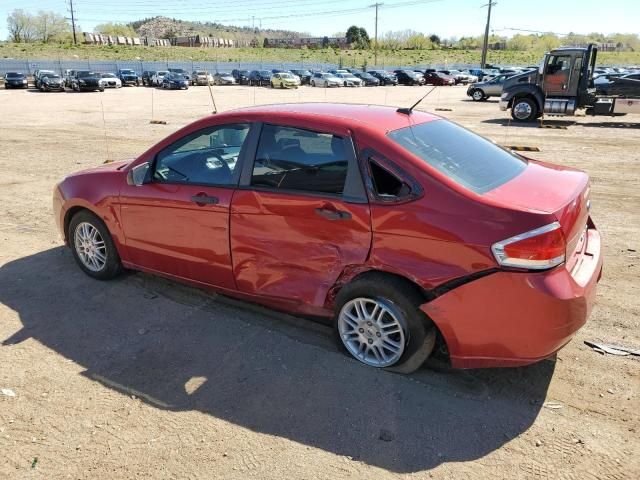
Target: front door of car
[(300, 215), (177, 223)]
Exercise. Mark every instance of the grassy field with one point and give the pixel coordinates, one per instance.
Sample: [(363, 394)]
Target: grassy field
[(356, 58)]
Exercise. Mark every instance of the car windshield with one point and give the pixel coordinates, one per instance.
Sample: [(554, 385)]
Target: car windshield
[(177, 70), (128, 72), (201, 72), (108, 75), (15, 75), (86, 74), (466, 158), (162, 74), (286, 75), (51, 75), (265, 72), (303, 72)]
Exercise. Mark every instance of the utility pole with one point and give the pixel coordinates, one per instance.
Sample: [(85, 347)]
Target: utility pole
[(483, 62), (73, 22), (375, 44)]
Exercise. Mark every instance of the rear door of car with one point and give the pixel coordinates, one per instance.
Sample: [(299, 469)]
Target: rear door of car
[(300, 215), (178, 222)]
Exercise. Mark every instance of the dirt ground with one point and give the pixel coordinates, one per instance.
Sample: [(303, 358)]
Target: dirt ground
[(143, 378)]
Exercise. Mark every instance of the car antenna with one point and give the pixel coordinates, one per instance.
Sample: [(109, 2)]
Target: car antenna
[(408, 111)]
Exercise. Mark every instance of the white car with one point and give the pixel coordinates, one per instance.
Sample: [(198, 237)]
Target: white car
[(157, 78), (463, 77), (109, 80), (349, 79), (321, 79)]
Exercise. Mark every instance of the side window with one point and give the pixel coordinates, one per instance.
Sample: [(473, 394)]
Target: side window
[(207, 157), (558, 63), (387, 182), (296, 159)]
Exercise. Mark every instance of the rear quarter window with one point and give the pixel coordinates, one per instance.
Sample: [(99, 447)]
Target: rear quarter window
[(468, 159)]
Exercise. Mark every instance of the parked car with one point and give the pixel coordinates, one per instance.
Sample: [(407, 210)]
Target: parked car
[(241, 76), (180, 71), (38, 74), (322, 79), (109, 80), (51, 81), (460, 77), (260, 78), (128, 77), (309, 221), (480, 91), (201, 77), (367, 79), (223, 78), (437, 78), (349, 79), (146, 77), (68, 76), (173, 81), (409, 77), (86, 80), (626, 85), (486, 74), (303, 75), (15, 80), (156, 79), (386, 78), (284, 80)]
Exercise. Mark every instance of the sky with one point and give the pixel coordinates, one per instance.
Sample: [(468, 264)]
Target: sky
[(446, 18)]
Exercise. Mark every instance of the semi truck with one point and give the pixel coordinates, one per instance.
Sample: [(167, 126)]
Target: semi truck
[(562, 85)]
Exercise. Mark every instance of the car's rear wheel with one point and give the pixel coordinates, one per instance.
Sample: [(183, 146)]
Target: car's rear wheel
[(524, 110), (93, 247), (477, 95), (378, 322)]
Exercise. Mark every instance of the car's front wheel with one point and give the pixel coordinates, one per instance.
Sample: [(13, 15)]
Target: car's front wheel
[(477, 95), (93, 247), (524, 110), (379, 323)]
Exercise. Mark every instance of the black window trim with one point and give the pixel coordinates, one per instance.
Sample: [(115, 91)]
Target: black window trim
[(369, 155), (354, 189), (242, 157)]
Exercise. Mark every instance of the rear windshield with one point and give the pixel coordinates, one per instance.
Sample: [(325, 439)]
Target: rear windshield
[(15, 75), (463, 156)]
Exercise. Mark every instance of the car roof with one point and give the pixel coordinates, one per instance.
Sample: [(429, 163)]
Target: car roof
[(377, 117)]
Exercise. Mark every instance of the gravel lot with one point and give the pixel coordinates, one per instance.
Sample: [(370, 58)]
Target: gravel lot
[(144, 378)]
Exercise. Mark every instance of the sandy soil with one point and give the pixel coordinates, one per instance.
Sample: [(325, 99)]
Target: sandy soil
[(143, 378)]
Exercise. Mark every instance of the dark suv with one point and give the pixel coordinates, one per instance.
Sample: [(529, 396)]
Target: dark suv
[(128, 77), (15, 80), (408, 77), (305, 76), (146, 77), (260, 78), (181, 71), (241, 76)]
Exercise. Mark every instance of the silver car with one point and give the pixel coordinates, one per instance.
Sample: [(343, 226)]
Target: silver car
[(480, 91), (349, 79), (321, 79)]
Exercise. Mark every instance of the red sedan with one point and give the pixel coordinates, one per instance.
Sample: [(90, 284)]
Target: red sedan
[(438, 78), (413, 234)]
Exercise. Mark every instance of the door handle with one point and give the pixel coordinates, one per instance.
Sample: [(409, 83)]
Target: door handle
[(331, 214), (204, 199)]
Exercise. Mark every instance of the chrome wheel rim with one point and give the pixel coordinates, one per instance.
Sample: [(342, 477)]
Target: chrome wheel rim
[(477, 95), (522, 110), (371, 330), (90, 247)]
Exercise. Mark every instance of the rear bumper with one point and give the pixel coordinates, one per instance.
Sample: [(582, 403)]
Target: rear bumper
[(512, 318)]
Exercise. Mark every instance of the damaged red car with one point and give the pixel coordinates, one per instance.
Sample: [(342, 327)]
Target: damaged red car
[(413, 234)]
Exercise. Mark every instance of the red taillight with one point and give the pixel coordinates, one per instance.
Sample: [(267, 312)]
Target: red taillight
[(537, 249)]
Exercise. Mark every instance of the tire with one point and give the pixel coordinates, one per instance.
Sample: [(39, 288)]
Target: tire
[(524, 110), (84, 223), (272, 85), (313, 83), (478, 95), (409, 332)]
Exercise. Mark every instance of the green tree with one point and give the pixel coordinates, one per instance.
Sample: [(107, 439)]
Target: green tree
[(116, 29), (50, 25), (435, 39), (358, 37), (21, 26)]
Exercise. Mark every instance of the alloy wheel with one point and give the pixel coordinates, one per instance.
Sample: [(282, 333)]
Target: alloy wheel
[(90, 247), (372, 331)]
